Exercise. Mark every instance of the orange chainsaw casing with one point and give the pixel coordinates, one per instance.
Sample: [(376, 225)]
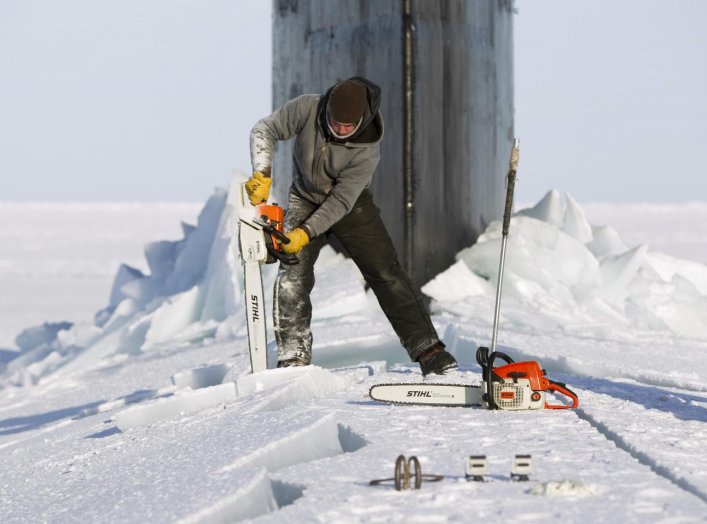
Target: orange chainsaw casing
[(532, 372), (275, 216)]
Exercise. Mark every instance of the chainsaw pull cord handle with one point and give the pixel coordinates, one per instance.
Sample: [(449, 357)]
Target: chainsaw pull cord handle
[(561, 388)]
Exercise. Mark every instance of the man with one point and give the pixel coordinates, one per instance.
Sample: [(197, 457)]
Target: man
[(336, 151)]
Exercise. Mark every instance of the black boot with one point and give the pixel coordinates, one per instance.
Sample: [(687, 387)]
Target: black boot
[(437, 360), (291, 362)]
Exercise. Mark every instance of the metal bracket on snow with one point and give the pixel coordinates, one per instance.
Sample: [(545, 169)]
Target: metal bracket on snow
[(522, 467), (476, 467)]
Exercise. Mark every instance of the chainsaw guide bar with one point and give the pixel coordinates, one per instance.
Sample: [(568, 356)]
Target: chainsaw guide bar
[(426, 394)]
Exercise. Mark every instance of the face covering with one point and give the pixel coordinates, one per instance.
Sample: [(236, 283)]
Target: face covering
[(341, 137)]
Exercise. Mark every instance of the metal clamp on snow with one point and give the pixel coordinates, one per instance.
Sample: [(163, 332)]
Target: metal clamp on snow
[(407, 475)]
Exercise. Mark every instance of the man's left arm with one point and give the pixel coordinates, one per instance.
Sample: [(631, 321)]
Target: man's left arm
[(348, 187)]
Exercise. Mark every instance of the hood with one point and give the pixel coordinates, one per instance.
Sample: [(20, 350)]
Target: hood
[(371, 129)]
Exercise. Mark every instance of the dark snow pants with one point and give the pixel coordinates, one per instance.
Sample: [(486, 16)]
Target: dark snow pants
[(364, 236)]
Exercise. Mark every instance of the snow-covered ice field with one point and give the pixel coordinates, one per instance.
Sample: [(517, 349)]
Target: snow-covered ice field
[(148, 413)]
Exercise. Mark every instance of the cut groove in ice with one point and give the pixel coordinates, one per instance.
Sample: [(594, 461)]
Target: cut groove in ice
[(259, 496), (179, 404), (200, 377), (324, 438)]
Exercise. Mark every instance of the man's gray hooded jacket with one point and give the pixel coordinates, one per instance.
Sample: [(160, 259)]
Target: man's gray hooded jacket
[(328, 172)]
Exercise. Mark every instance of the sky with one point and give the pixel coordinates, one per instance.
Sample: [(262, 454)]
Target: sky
[(610, 99), (130, 99), (154, 100)]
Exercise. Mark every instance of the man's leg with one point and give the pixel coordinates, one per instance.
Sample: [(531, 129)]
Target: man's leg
[(363, 234), (292, 308)]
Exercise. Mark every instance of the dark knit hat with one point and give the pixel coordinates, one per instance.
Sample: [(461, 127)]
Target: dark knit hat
[(347, 102)]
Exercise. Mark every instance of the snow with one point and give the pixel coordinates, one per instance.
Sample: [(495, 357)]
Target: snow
[(148, 412), (580, 284), (49, 272), (564, 488)]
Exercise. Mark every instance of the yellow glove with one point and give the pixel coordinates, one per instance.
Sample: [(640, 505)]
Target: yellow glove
[(258, 188), (298, 239)]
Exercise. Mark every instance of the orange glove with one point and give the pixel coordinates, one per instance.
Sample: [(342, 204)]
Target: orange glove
[(298, 239), (258, 188)]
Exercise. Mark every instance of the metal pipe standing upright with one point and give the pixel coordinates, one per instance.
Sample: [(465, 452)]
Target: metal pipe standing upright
[(408, 137), (510, 186)]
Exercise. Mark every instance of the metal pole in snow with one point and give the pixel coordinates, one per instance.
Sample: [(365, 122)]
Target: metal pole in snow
[(510, 186)]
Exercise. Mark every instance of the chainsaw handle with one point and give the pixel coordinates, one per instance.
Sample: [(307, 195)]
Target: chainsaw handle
[(268, 228), (561, 388)]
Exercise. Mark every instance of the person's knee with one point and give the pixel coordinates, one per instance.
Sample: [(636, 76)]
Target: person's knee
[(295, 286), (390, 271), (295, 282)]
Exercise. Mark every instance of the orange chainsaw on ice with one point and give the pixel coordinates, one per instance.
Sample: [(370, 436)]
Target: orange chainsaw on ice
[(518, 385), (514, 386)]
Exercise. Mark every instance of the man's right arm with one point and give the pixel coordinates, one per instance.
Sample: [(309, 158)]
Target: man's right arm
[(284, 123)]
